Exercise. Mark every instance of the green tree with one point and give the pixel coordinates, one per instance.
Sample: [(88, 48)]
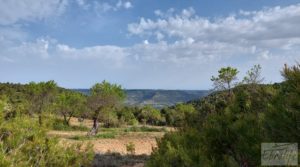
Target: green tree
[(283, 119), (225, 79), (254, 75), (68, 104), (41, 95), (150, 115), (103, 96), (177, 115)]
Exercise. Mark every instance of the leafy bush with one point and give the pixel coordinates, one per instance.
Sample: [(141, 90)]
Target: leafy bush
[(130, 148), (59, 124), (25, 143), (176, 116), (228, 130), (150, 115)]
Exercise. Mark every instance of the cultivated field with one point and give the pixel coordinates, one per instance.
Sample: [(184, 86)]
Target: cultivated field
[(114, 141)]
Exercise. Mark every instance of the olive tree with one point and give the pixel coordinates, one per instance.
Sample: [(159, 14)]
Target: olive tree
[(103, 96), (41, 95), (68, 104)]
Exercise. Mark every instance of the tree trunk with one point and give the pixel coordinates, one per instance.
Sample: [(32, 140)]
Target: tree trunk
[(95, 127), (66, 121), (40, 119)]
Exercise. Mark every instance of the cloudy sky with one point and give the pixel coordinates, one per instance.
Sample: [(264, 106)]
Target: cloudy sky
[(169, 44)]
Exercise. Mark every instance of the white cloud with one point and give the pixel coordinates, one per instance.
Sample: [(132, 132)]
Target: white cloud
[(13, 11), (127, 5), (180, 46), (268, 29), (107, 52), (25, 50), (105, 6)]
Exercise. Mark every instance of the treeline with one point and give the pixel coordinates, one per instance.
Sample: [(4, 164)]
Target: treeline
[(229, 126), (104, 105)]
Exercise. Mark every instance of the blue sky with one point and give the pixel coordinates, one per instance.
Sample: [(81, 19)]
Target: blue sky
[(169, 44)]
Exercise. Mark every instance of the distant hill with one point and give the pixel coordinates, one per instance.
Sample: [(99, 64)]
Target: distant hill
[(158, 98)]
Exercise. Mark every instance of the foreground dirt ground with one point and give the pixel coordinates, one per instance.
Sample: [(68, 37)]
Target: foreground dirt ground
[(144, 142)]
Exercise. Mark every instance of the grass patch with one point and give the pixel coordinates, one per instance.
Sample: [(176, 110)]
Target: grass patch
[(144, 129), (59, 124), (98, 136), (106, 135)]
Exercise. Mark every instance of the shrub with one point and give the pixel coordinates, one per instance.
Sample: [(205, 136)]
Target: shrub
[(58, 124), (130, 148), (25, 143)]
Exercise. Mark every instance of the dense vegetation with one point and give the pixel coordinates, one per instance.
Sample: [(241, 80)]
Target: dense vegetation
[(228, 127), (23, 142), (104, 104)]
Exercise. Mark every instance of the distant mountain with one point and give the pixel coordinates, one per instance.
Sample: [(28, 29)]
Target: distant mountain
[(158, 98)]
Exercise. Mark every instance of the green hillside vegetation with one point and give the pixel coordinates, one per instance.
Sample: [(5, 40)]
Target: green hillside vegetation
[(228, 126), (104, 105), (23, 142), (29, 111)]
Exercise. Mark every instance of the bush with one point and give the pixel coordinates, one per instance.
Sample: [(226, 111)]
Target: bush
[(26, 144), (150, 115), (58, 124), (229, 131), (110, 119), (130, 148)]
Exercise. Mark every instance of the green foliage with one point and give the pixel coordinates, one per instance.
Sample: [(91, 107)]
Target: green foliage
[(107, 89), (108, 135), (225, 78), (144, 129), (69, 104), (105, 97), (177, 116), (127, 115), (150, 115), (41, 95), (229, 131), (253, 75), (25, 143), (59, 124), (130, 148), (109, 118)]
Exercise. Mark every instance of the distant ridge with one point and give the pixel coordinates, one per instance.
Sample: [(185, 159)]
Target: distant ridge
[(158, 98)]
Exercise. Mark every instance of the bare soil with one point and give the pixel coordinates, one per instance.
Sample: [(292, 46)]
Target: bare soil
[(112, 151)]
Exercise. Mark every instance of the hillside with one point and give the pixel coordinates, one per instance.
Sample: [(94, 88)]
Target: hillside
[(158, 98)]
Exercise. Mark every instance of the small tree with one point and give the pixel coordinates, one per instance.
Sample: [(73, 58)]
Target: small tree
[(254, 75), (103, 96), (68, 104), (41, 95), (225, 79), (150, 115)]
